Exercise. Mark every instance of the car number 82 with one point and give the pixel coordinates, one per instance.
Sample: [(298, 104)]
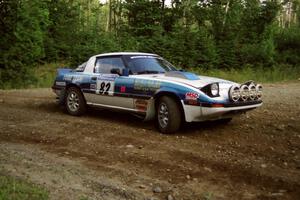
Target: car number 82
[(105, 88)]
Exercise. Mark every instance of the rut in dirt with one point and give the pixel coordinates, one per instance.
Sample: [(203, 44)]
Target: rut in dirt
[(257, 153)]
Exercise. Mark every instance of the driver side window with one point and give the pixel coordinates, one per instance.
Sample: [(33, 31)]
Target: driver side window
[(105, 65)]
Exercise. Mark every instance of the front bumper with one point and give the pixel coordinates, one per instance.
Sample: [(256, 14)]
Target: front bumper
[(204, 113)]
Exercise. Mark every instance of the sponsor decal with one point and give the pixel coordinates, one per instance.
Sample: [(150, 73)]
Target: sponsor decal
[(107, 77), (134, 57), (93, 86), (73, 78), (60, 83), (67, 78), (146, 85), (191, 98), (123, 89), (141, 104)]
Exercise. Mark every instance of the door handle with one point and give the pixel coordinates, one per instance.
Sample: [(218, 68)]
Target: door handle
[(94, 78)]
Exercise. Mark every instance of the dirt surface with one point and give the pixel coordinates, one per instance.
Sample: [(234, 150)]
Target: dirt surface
[(109, 155)]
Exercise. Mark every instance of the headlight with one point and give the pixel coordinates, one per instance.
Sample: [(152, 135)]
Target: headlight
[(252, 91), (211, 90), (214, 89), (259, 90), (244, 92), (234, 93)]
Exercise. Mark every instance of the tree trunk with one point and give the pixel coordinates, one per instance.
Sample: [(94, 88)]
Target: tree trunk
[(226, 11), (108, 24)]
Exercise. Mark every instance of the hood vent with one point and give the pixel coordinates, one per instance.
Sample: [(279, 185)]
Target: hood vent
[(183, 75)]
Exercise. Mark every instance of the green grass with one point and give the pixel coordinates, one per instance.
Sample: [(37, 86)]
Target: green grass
[(45, 74), (41, 76), (15, 189), (278, 73), (208, 196)]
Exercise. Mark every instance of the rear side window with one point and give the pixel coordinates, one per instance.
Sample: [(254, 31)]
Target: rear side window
[(81, 67), (105, 65)]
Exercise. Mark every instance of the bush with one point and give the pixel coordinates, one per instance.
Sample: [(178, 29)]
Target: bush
[(288, 46)]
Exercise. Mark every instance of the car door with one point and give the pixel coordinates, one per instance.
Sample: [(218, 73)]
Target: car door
[(104, 83)]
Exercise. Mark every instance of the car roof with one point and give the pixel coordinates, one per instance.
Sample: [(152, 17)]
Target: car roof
[(125, 53)]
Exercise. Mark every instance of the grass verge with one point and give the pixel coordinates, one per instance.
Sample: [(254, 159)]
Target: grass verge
[(44, 75), (15, 189), (279, 73)]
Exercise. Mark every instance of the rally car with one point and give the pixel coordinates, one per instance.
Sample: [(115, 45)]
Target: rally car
[(151, 87)]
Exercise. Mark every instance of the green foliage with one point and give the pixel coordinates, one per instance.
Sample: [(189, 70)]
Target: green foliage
[(288, 46), (191, 49), (143, 17), (199, 34), (14, 189), (23, 42), (87, 45)]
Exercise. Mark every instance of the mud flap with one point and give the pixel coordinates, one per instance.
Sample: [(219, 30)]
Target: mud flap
[(62, 97), (150, 115)]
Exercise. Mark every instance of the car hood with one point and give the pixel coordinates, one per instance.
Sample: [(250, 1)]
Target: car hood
[(200, 82)]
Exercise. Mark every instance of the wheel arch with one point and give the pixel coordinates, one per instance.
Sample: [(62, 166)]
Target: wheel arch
[(64, 92), (72, 85), (173, 95)]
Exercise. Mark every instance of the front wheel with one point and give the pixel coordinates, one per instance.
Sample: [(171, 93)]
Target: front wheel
[(75, 102), (168, 115)]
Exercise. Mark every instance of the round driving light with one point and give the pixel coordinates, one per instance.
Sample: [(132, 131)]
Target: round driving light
[(252, 91), (259, 91), (234, 93), (214, 89), (244, 92)]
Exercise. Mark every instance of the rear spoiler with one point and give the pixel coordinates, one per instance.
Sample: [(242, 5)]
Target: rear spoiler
[(62, 71)]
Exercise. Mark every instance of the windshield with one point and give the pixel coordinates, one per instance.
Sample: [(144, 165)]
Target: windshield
[(148, 65)]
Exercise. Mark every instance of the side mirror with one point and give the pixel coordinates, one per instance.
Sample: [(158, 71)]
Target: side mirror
[(125, 72), (115, 71)]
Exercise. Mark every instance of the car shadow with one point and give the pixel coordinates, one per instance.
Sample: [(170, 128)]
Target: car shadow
[(211, 127), (129, 119), (120, 117)]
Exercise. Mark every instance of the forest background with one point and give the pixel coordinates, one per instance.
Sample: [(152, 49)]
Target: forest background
[(233, 39)]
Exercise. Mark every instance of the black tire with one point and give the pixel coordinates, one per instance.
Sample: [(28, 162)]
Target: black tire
[(168, 115), (75, 102)]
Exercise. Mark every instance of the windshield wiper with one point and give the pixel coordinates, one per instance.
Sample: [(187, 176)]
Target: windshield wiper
[(150, 72)]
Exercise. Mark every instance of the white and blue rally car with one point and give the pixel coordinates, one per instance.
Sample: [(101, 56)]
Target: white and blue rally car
[(148, 85)]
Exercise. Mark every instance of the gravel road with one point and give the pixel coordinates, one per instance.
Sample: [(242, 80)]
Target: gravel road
[(109, 155)]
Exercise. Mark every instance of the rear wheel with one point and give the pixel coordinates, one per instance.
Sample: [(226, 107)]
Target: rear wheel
[(168, 115), (75, 103)]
